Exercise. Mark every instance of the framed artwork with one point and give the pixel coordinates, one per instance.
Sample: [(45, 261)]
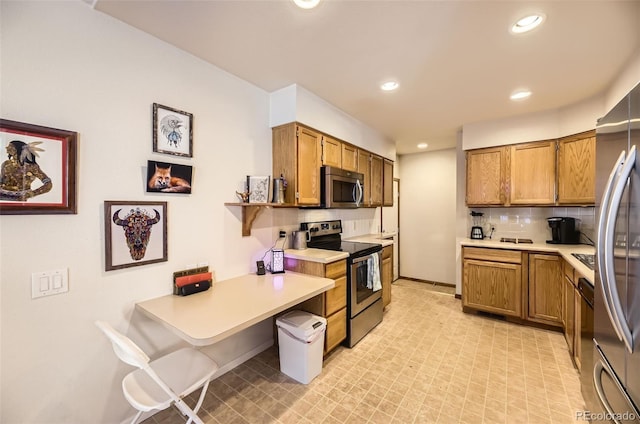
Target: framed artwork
[(38, 173), (172, 131), (168, 177), (135, 233), (258, 188)]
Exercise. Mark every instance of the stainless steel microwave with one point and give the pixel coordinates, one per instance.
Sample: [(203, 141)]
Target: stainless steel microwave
[(341, 188)]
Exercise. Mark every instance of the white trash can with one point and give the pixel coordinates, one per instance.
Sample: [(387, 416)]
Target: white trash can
[(301, 342)]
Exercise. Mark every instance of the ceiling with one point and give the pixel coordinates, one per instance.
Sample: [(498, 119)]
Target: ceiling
[(456, 61)]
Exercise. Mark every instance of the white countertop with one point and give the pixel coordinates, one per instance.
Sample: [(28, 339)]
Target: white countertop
[(232, 305), (328, 256), (565, 250)]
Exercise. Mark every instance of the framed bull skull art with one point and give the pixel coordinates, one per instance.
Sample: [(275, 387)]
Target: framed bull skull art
[(135, 233)]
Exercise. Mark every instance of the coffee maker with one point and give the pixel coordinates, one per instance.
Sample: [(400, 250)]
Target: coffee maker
[(563, 231)]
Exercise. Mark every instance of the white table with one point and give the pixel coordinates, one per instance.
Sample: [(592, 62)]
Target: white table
[(232, 305)]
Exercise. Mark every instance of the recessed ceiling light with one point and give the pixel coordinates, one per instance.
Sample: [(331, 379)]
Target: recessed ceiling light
[(389, 85), (527, 23), (520, 95), (423, 146), (306, 4)]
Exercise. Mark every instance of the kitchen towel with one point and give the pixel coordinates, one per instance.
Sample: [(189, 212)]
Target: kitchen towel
[(373, 279)]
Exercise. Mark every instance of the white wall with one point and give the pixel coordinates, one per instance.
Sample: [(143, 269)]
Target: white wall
[(67, 66), (427, 216), (295, 103)]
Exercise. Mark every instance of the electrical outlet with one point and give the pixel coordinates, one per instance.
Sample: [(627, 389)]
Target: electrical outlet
[(282, 234)]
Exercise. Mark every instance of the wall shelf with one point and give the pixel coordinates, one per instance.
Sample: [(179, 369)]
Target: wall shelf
[(250, 212)]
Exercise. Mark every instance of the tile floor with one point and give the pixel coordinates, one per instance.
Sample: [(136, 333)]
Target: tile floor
[(427, 362)]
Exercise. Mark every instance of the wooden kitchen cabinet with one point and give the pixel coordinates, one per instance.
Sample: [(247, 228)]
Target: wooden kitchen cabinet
[(386, 274), (492, 281), (349, 157), (331, 304), (533, 173), (545, 289), (577, 169), (331, 151), (372, 167), (297, 155), (487, 176), (387, 183)]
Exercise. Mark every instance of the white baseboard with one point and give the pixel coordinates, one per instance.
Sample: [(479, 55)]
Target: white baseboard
[(241, 359)]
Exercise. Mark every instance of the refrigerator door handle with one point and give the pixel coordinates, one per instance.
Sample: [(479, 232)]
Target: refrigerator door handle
[(598, 369), (603, 366), (616, 199), (603, 244)]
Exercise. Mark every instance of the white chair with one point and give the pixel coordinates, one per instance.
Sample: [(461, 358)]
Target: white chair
[(158, 383)]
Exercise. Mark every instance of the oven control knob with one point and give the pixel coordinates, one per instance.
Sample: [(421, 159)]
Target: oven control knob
[(335, 227), (314, 229)]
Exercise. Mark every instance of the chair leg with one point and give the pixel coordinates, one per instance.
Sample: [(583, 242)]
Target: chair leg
[(193, 417), (203, 393), (135, 419)]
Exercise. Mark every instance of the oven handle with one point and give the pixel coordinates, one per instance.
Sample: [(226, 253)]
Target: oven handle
[(363, 258)]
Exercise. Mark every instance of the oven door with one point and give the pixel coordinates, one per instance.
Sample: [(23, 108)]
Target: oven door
[(363, 291)]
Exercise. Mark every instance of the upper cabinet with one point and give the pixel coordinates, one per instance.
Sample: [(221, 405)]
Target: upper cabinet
[(487, 176), (371, 166), (387, 183), (364, 167), (541, 173), (331, 152), (297, 153), (300, 151), (577, 169), (349, 157), (533, 171)]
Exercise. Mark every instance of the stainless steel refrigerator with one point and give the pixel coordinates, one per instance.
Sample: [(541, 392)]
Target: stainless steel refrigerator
[(616, 360)]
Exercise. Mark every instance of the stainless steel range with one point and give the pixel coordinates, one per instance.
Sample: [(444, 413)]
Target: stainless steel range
[(364, 288)]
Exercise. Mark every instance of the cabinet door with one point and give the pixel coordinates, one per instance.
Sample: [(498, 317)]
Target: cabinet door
[(331, 152), (545, 289), (364, 167), (349, 157), (486, 175), (492, 286), (386, 274), (308, 166), (577, 169), (387, 185), (533, 173), (376, 180), (336, 330), (336, 298)]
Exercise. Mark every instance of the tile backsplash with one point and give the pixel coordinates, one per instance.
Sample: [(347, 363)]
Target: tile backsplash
[(355, 222), (530, 222)]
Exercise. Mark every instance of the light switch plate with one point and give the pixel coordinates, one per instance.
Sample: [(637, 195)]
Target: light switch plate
[(48, 283)]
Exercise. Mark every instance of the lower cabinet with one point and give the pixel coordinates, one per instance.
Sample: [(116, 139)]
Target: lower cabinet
[(331, 304), (492, 281), (514, 283), (545, 289), (386, 274)]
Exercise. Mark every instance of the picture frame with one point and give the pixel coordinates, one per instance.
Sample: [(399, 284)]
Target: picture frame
[(125, 221), (165, 177), (39, 169), (259, 188), (172, 131)]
